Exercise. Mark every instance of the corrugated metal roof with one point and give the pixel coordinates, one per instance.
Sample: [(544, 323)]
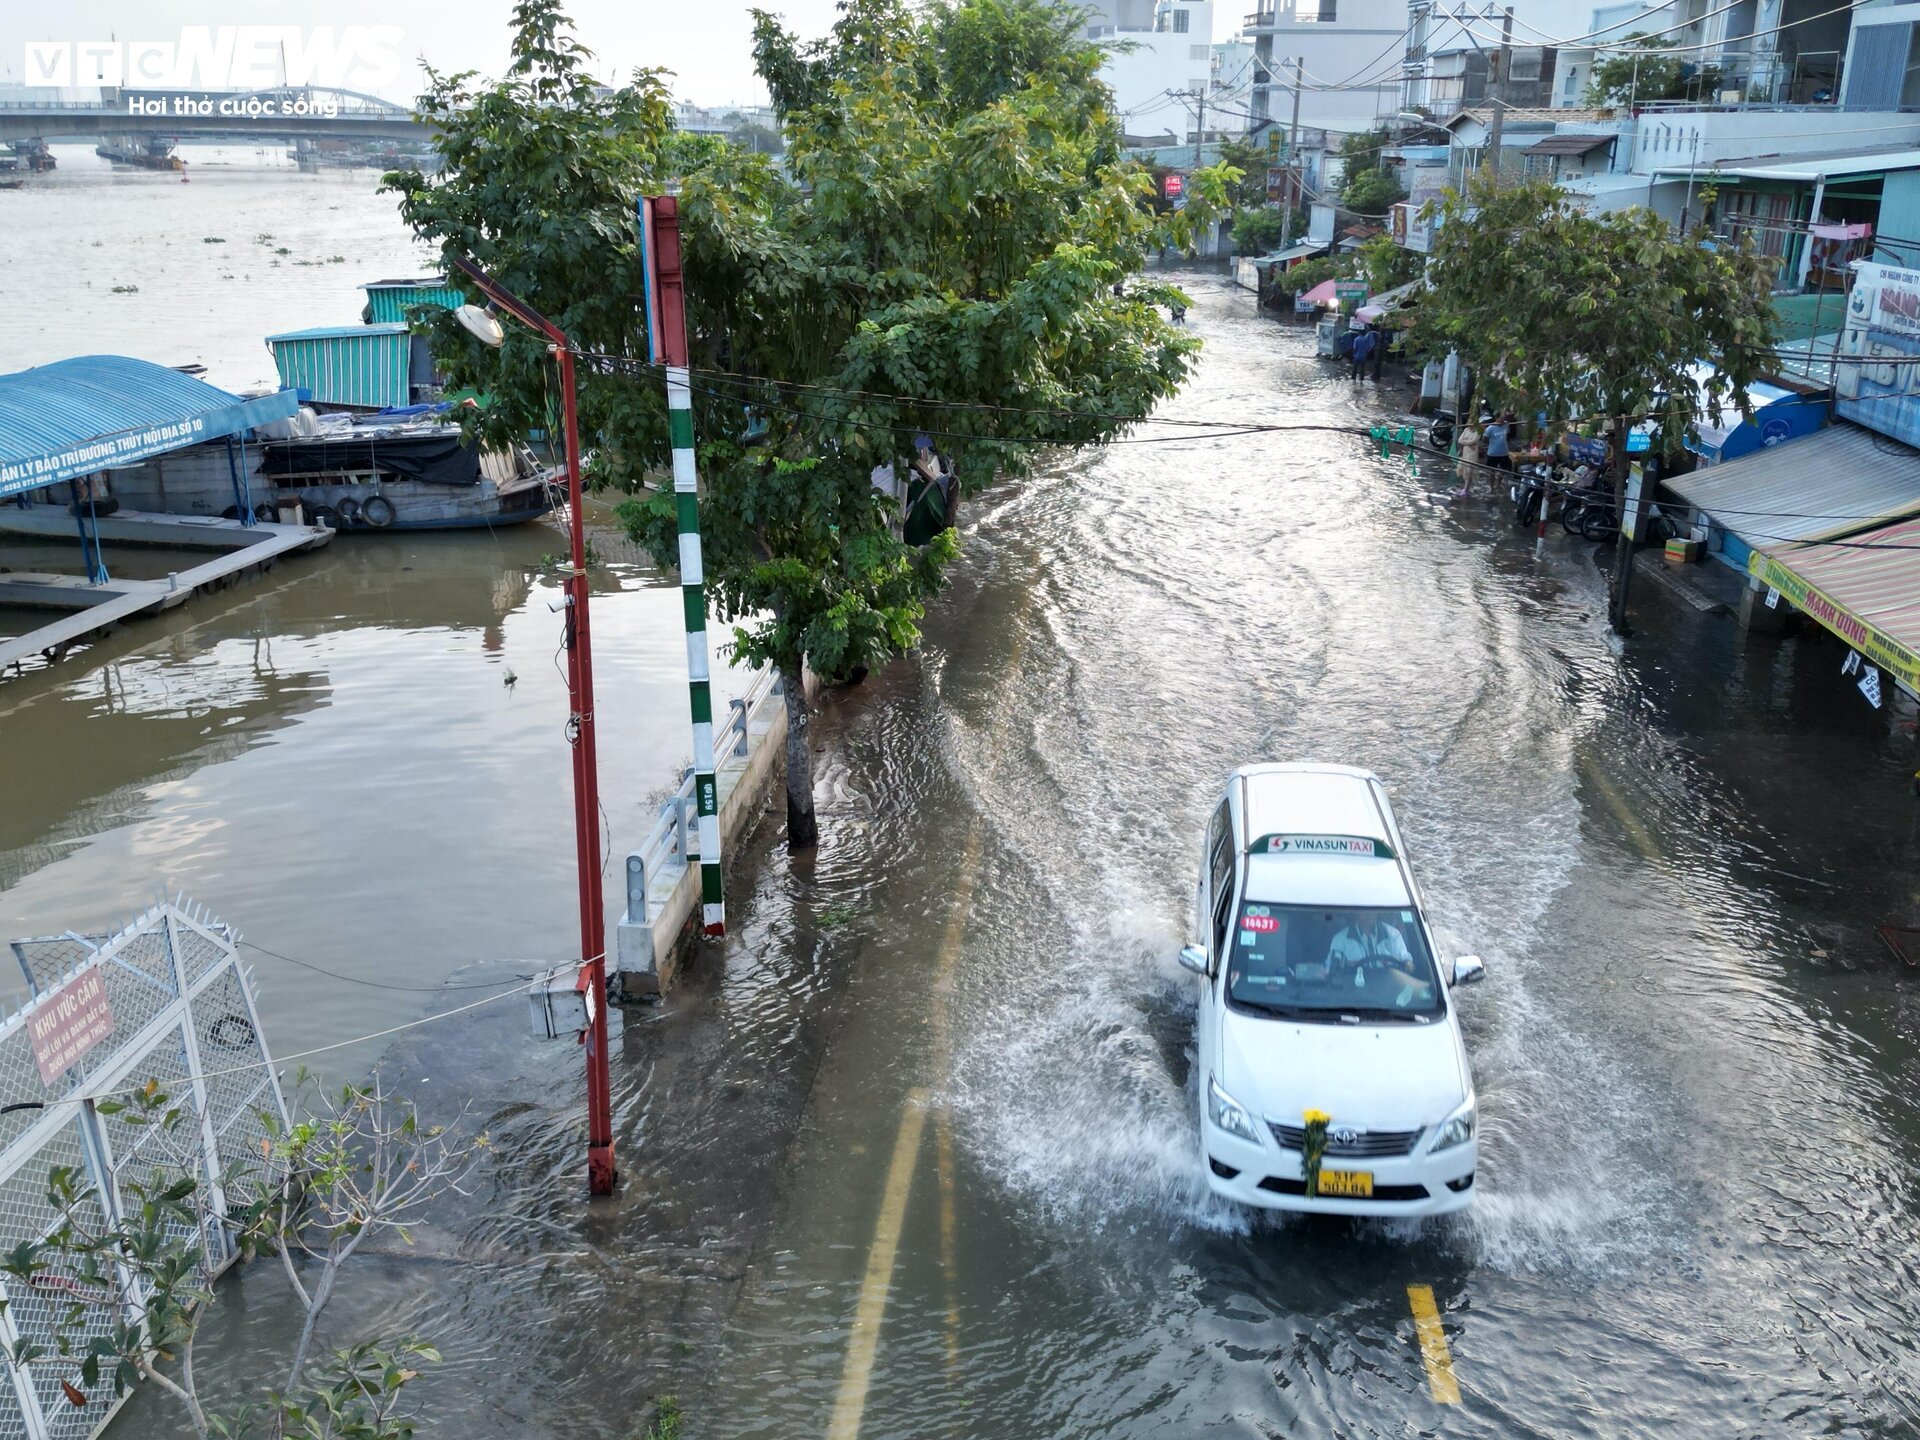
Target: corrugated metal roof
[(418, 282), (336, 332), (1836, 482), (1867, 591), (94, 412), (365, 365), (1568, 144)]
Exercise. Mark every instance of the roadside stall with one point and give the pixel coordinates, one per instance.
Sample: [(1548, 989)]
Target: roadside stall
[(1866, 591)]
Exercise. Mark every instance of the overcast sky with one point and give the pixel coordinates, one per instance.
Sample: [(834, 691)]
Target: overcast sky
[(704, 42)]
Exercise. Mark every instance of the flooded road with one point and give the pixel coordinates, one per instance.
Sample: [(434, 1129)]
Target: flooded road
[(1697, 1195), (915, 1152)]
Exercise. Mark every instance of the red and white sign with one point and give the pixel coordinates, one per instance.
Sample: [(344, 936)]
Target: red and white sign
[(1175, 186), (69, 1023), (1259, 922)]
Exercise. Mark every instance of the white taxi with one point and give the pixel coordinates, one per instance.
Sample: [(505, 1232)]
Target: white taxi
[(1331, 1073)]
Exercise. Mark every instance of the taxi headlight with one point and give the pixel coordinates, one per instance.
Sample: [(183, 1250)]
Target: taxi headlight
[(1229, 1114), (1457, 1130)]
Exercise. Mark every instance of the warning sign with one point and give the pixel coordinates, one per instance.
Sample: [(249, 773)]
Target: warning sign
[(69, 1023)]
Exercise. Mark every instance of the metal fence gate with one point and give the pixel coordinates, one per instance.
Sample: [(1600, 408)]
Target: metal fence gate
[(164, 999)]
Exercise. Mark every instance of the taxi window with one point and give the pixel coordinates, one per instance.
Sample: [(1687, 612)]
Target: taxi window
[(1320, 961)]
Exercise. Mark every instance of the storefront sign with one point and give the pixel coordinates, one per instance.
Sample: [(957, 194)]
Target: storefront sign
[(1870, 686), (69, 1023), (1875, 644)]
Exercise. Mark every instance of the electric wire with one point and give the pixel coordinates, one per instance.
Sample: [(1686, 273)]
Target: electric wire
[(379, 984)]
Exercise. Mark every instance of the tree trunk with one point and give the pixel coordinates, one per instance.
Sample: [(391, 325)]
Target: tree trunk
[(1633, 515), (803, 830)]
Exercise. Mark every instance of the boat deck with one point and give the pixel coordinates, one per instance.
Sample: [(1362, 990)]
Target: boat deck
[(89, 610)]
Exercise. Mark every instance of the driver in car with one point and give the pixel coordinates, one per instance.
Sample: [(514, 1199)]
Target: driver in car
[(1366, 941)]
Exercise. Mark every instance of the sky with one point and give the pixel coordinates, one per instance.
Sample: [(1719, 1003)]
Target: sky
[(705, 43)]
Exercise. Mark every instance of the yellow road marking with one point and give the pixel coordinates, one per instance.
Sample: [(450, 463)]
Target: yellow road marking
[(864, 1343), (1643, 841), (1433, 1345), (948, 962), (856, 1376), (949, 1257)]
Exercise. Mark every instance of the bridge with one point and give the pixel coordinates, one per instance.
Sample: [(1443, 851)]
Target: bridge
[(286, 113)]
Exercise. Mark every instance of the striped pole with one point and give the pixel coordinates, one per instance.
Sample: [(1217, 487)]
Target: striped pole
[(693, 594), (667, 345)]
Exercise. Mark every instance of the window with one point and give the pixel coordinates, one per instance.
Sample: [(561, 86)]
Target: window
[(1318, 962), (1199, 52), (1328, 11), (1180, 20), (1220, 857)]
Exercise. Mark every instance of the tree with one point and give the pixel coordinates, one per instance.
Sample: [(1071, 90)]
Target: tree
[(1595, 318), (1370, 186), (939, 259), (1255, 232), (1252, 161), (1646, 68), (361, 1166), (1385, 265)]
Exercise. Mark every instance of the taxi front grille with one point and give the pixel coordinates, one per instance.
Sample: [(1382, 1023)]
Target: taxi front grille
[(1365, 1145)]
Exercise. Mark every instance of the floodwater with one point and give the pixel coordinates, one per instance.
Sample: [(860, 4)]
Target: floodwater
[(357, 759), (1697, 1200), (106, 259)]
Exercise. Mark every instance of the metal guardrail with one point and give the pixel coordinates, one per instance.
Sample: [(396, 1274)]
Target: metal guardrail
[(673, 842)]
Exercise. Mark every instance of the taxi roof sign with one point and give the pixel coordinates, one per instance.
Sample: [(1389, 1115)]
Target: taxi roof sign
[(1322, 845)]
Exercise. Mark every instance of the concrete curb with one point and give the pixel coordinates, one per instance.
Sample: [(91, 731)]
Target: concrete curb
[(662, 873)]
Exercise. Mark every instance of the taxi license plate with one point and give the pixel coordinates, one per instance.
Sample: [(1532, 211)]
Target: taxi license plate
[(1347, 1184)]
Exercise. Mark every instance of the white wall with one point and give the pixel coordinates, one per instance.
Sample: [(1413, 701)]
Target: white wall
[(1692, 139), (1159, 61)]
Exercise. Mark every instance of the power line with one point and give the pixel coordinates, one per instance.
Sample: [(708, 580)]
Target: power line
[(379, 984)]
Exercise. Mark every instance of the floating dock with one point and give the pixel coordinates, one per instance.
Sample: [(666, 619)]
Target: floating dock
[(89, 610)]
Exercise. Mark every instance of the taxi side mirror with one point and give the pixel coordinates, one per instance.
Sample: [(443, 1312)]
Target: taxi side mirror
[(1193, 958), (1468, 970)]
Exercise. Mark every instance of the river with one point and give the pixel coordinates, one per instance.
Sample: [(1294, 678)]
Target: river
[(1696, 1204)]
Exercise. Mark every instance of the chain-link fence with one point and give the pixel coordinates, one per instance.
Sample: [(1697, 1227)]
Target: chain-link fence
[(164, 1000)]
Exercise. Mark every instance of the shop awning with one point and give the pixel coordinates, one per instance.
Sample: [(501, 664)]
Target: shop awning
[(1387, 301), (1839, 481), (1865, 589), (96, 412), (1294, 252)]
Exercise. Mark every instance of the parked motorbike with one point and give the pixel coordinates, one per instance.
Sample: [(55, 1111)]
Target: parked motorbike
[(1440, 432)]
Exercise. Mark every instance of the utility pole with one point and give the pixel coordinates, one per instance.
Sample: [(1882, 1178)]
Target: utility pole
[(592, 980), (1297, 182), (1499, 97), (667, 345), (1199, 126)]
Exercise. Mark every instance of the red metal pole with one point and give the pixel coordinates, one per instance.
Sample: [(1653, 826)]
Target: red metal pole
[(586, 807)]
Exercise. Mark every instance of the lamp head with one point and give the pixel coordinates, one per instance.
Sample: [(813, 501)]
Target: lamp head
[(481, 325)]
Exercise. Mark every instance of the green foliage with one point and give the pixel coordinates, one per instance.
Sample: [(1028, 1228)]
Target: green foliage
[(1317, 271), (357, 1168), (1594, 316), (1385, 265), (953, 217), (666, 1420), (1252, 161), (1370, 186), (1255, 232), (1647, 68)]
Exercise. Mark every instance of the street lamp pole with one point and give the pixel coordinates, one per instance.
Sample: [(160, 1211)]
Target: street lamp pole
[(586, 766)]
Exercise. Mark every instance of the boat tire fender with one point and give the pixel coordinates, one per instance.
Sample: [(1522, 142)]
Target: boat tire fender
[(377, 511), (349, 511)]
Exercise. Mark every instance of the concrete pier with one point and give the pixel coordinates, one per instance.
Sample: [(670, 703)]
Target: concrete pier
[(88, 610)]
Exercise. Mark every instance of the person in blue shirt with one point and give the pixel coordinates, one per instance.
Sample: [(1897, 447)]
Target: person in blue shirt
[(1363, 344), (1499, 429)]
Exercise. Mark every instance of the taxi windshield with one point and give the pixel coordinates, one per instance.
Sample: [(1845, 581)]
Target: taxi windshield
[(1321, 962)]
